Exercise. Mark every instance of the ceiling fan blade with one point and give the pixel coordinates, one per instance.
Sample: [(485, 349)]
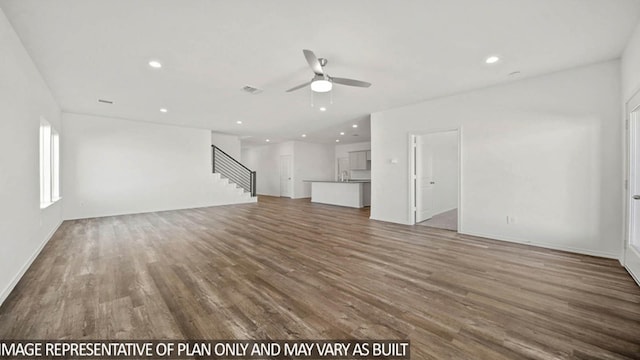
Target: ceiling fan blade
[(299, 86), (313, 62), (350, 82)]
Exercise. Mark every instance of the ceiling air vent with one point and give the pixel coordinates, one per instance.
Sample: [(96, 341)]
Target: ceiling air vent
[(105, 101), (251, 89)]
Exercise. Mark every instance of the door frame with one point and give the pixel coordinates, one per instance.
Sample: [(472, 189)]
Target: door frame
[(411, 201), (629, 261)]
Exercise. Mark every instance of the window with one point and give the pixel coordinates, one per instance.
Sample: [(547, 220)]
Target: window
[(49, 164), (55, 166)]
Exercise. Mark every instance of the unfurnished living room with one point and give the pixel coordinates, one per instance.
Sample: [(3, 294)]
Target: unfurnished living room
[(320, 180)]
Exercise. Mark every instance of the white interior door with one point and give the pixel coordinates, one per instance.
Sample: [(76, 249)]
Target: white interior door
[(285, 176), (632, 246), (423, 158)]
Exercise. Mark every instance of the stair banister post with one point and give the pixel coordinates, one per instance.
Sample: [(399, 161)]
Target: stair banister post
[(253, 183)]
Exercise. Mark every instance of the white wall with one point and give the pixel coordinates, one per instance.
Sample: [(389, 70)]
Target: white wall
[(24, 98), (228, 143), (310, 162), (545, 150), (342, 151), (630, 64), (116, 166)]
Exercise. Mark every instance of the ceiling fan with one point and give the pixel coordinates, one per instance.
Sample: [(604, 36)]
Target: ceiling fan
[(321, 81)]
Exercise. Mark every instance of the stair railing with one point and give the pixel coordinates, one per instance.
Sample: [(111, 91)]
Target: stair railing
[(233, 170)]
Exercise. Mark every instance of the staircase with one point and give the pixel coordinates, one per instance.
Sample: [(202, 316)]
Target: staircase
[(233, 194), (238, 181)]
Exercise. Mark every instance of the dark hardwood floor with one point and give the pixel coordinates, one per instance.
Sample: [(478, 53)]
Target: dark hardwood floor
[(289, 269)]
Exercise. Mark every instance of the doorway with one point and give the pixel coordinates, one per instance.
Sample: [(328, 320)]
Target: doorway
[(285, 176), (632, 243), (435, 173)]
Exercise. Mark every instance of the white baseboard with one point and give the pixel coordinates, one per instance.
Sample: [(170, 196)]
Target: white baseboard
[(547, 245), (148, 211), (637, 280), (521, 241), (5, 293), (393, 221)]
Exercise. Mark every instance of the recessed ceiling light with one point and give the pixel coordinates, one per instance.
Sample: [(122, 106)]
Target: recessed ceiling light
[(155, 64), (323, 109), (341, 132), (238, 122), (337, 140), (354, 126), (267, 140), (492, 59), (163, 110), (304, 135)]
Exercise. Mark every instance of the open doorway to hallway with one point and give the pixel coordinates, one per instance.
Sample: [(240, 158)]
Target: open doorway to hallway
[(436, 179)]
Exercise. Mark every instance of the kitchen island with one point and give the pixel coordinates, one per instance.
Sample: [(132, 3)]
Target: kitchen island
[(351, 193)]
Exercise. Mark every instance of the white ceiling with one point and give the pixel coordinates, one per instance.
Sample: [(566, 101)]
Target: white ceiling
[(411, 50)]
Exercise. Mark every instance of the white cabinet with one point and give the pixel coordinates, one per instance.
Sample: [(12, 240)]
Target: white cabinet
[(358, 160), (352, 194)]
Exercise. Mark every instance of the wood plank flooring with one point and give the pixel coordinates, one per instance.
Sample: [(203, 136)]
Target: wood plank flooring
[(290, 269)]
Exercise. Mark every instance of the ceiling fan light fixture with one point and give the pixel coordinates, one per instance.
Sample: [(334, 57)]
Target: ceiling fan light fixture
[(321, 85), (321, 81)]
